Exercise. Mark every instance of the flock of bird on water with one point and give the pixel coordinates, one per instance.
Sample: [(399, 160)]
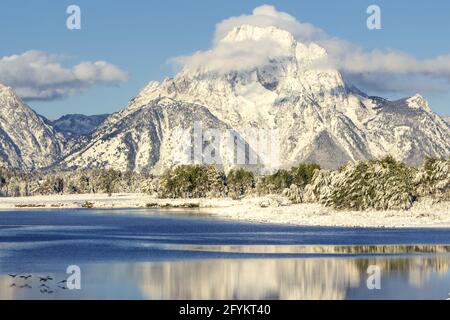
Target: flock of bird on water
[(44, 286)]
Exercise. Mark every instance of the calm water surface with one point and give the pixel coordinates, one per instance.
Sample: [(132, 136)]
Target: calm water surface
[(149, 254)]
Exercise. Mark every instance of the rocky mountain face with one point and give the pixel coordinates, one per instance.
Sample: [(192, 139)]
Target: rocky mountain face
[(75, 125), (316, 114), (27, 140), (447, 119)]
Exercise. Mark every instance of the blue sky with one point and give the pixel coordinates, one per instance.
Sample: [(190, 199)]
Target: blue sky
[(140, 36)]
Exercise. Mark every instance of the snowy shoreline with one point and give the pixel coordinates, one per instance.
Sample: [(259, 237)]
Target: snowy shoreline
[(267, 209)]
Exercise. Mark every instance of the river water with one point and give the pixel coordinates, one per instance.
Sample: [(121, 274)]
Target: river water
[(153, 254)]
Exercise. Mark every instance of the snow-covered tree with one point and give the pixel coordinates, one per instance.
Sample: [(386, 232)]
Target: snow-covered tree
[(294, 193), (433, 179), (319, 188), (376, 184)]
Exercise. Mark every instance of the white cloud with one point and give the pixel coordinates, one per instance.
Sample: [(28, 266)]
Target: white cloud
[(380, 69), (37, 75), (387, 70), (225, 56), (266, 16)]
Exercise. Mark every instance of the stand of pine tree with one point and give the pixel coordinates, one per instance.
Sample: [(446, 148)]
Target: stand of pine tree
[(378, 184)]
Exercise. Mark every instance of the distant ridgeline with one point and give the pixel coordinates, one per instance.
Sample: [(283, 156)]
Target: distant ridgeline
[(372, 184)]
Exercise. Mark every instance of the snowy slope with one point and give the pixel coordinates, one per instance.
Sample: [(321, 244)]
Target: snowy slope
[(27, 140), (409, 129), (447, 119), (150, 137)]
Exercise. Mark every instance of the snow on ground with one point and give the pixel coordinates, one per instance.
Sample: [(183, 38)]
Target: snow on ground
[(268, 209)]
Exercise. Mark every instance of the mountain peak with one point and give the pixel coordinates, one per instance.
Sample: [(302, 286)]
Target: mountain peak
[(254, 33), (285, 41), (10, 100), (5, 90), (418, 102), (27, 141)]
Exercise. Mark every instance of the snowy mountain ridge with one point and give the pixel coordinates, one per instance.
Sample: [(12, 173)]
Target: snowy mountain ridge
[(27, 140), (318, 115), (74, 125)]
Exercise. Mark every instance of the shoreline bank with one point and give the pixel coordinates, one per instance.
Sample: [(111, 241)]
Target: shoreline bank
[(266, 209)]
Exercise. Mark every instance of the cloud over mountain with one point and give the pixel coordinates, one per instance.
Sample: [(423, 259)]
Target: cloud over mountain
[(38, 75), (381, 69), (266, 16)]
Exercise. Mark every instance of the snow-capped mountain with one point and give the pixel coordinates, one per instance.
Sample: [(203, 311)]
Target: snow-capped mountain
[(319, 117), (27, 140), (74, 125)]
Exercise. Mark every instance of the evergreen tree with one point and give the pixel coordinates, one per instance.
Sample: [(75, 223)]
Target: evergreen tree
[(375, 184), (240, 182), (433, 179)]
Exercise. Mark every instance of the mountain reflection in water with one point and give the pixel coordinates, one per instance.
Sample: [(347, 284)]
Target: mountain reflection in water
[(156, 255), (419, 273)]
